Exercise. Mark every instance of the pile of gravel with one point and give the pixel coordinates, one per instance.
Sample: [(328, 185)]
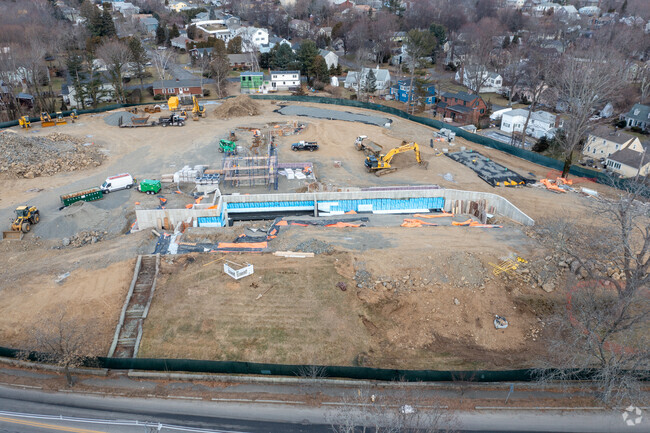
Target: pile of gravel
[(113, 119), (315, 246), (35, 156), (81, 217)]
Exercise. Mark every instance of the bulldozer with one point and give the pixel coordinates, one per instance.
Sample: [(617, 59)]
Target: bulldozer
[(26, 216), (381, 165), (197, 110)]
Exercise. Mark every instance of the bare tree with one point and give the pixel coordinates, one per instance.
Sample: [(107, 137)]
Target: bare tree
[(393, 410), (116, 55), (513, 71), (583, 81), (60, 339), (220, 67), (161, 60), (480, 45), (603, 328), (644, 79)]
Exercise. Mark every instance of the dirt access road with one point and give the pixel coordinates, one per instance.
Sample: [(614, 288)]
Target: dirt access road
[(386, 326)]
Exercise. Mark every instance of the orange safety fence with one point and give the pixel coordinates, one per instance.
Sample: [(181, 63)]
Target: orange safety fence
[(214, 207), (282, 223), (351, 212), (189, 206), (440, 215), (299, 224), (411, 222), (242, 244), (198, 200), (553, 187), (342, 224), (464, 223), (162, 199), (137, 202)]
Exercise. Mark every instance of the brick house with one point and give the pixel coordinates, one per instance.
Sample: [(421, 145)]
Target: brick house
[(461, 107), (176, 87)]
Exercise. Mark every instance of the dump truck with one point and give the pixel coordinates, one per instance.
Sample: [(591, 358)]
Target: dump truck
[(228, 147), (90, 194), (135, 122), (173, 120), (368, 147), (26, 216)]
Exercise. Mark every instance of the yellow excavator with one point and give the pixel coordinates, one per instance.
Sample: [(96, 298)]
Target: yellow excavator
[(381, 166), (197, 110)]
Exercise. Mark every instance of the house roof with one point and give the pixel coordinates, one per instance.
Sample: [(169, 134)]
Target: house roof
[(542, 116), (463, 96), (176, 83), (22, 95), (460, 108), (631, 158), (149, 21), (324, 53), (251, 74), (240, 58), (285, 72), (380, 74), (609, 134), (639, 112)]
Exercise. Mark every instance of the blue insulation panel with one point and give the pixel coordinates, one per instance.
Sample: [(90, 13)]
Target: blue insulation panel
[(342, 205), (209, 221)]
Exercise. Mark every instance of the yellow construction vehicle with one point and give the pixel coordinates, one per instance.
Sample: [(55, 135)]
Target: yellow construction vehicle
[(197, 110), (25, 217), (74, 115), (59, 119), (173, 103), (24, 122), (381, 166), (46, 120)]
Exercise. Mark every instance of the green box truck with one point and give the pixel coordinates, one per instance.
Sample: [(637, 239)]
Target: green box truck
[(90, 194)]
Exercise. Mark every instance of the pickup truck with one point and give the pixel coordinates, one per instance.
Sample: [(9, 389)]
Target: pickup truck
[(304, 145)]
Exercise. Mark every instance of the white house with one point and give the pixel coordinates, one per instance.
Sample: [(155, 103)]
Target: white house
[(604, 141), (541, 123), (545, 7), (106, 93), (515, 4), (215, 28), (590, 11), (356, 80), (492, 82), (253, 38), (330, 58), (285, 80)]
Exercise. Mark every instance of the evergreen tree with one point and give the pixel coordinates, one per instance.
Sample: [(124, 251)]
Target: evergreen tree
[(219, 48), (515, 39), (234, 45), (212, 15), (332, 71), (371, 83), (191, 31), (161, 34), (174, 33), (319, 70), (282, 57), (108, 26), (440, 32), (306, 56), (75, 65), (506, 42)]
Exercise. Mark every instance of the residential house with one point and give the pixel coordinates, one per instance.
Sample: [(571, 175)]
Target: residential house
[(492, 82), (202, 16), (342, 5), (273, 41), (126, 9), (541, 123), (215, 28), (69, 94), (325, 31), (285, 80), (177, 87), (402, 89), (604, 141), (638, 116), (178, 6), (241, 61), (399, 37), (299, 28), (632, 160), (251, 82), (150, 24), (338, 44), (567, 13), (253, 38), (589, 11), (356, 80), (330, 57), (199, 53), (545, 8), (515, 4), (460, 107), (180, 42)]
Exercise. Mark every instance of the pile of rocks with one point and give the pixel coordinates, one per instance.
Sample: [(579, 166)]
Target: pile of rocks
[(315, 246), (83, 238), (35, 156)]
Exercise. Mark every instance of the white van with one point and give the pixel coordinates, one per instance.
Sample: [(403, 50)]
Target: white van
[(115, 183)]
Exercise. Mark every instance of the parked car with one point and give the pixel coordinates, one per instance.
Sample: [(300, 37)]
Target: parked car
[(304, 145)]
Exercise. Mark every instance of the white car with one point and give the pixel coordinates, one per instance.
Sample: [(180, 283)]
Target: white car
[(117, 182)]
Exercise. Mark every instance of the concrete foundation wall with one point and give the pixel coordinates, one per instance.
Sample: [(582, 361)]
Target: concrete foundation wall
[(147, 218), (503, 206)]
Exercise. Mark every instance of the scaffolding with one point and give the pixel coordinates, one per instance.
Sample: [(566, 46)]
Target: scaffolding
[(250, 171)]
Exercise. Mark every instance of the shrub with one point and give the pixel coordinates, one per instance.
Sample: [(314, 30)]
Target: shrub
[(158, 97)]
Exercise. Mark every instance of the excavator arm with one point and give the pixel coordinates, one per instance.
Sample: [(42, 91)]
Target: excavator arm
[(403, 148)]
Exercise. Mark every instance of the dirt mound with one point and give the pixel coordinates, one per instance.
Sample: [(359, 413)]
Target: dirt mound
[(240, 106), (31, 157), (81, 217)]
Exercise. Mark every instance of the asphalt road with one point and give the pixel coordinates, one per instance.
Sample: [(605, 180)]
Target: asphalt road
[(125, 415)]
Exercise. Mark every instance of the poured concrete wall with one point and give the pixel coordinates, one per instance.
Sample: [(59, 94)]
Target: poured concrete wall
[(147, 218), (502, 206)]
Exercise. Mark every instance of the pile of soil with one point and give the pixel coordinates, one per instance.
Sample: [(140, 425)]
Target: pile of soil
[(80, 217), (240, 106), (31, 157), (113, 119)]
